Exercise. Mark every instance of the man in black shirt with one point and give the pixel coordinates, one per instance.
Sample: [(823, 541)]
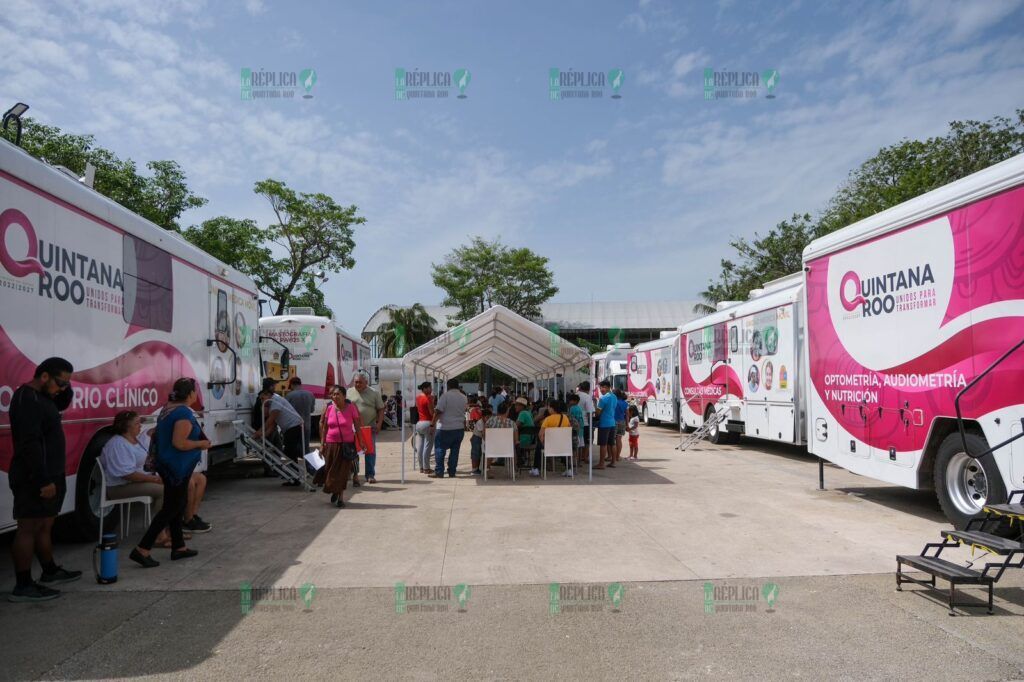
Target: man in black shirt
[(37, 476)]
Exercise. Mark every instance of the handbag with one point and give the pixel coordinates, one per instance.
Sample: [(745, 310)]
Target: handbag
[(149, 465)]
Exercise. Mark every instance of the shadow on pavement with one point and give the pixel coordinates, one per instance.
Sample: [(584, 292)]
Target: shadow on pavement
[(151, 614), (919, 503)]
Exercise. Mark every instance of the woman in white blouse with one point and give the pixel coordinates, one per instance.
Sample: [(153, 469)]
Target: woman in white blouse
[(123, 459)]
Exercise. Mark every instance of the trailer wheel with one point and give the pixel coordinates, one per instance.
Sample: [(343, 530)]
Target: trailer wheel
[(718, 436), (964, 484), (87, 496)]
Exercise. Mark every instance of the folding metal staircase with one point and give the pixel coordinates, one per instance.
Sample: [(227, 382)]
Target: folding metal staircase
[(271, 456), (979, 531), (690, 439), (978, 536)]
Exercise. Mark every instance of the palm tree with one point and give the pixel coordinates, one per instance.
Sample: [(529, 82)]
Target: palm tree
[(405, 329)]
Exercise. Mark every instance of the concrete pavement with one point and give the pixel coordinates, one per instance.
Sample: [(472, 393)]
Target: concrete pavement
[(737, 517)]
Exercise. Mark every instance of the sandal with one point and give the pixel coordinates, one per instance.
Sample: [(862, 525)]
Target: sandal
[(371, 480)]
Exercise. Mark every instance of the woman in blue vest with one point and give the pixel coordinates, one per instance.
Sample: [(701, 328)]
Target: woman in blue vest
[(180, 442)]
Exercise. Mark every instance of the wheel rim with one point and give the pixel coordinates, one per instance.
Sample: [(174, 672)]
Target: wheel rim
[(710, 417), (645, 415), (966, 484)]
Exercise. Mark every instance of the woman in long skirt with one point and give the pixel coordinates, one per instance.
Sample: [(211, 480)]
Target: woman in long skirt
[(339, 423)]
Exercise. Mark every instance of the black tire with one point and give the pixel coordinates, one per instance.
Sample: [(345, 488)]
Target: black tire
[(964, 484), (718, 436), (86, 518)]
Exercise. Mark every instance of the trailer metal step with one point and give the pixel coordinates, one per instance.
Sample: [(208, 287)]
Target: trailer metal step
[(986, 541), (1011, 510), (947, 570)]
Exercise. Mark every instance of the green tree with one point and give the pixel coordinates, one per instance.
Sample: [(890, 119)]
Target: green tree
[(160, 197), (895, 174), (405, 329), (311, 296), (312, 231), (777, 254), (484, 273)]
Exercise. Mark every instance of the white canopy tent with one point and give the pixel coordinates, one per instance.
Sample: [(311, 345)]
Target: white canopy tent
[(496, 337)]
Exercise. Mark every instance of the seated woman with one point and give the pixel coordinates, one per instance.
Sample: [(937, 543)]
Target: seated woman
[(500, 421), (123, 458), (556, 419)]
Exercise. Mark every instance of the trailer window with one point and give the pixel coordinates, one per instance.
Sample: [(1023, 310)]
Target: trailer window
[(734, 339), (148, 285)]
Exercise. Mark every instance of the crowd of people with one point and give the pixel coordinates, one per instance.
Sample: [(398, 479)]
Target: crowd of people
[(441, 424), (286, 421), (160, 462)]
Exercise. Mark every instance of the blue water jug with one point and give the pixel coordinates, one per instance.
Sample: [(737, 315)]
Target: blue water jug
[(104, 559)]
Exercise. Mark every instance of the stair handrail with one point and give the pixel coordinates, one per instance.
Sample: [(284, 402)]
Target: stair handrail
[(974, 382)]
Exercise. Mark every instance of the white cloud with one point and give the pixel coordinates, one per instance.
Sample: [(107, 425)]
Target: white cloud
[(255, 7), (637, 22)]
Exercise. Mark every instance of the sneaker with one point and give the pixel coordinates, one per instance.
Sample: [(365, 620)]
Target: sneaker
[(567, 473), (60, 575), (197, 525), (476, 472), (535, 472), (33, 592)]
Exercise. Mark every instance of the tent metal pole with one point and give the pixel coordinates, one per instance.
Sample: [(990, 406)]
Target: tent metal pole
[(405, 418), (590, 445)]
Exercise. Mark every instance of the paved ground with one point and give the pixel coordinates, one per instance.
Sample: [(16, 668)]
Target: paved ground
[(738, 518)]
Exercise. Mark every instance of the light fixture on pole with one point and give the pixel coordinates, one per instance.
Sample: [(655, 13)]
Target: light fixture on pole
[(14, 114)]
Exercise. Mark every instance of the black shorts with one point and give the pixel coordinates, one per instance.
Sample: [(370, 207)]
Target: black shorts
[(606, 435), (29, 505)]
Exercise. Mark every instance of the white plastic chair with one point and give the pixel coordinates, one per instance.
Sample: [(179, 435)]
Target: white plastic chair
[(145, 500), (558, 443), (500, 446)]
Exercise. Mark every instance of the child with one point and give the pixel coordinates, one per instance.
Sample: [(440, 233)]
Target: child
[(634, 433), (475, 422)]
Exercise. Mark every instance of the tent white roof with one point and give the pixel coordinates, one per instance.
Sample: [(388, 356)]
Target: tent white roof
[(502, 339)]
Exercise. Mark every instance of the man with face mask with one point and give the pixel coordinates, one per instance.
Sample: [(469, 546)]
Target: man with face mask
[(37, 478)]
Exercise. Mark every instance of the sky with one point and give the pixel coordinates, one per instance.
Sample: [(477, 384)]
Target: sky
[(631, 198)]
